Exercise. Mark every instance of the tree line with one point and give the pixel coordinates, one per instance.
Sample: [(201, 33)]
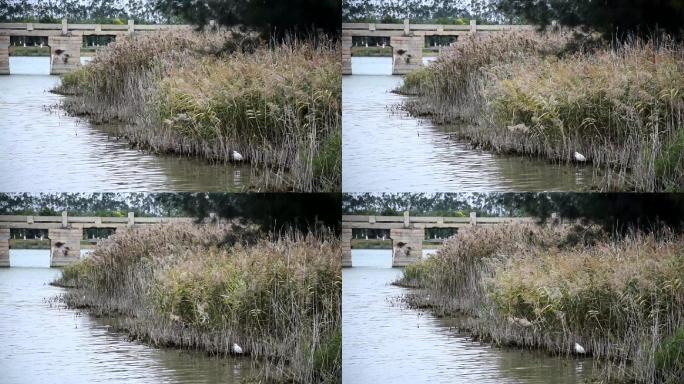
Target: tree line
[(615, 212), (613, 18), (272, 211), (279, 17)]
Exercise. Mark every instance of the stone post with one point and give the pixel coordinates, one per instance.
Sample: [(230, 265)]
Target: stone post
[(407, 28), (4, 55), (407, 245), (407, 53), (473, 218), (65, 245), (131, 219), (65, 27), (473, 26), (65, 53), (131, 26), (346, 55), (4, 247), (346, 247)]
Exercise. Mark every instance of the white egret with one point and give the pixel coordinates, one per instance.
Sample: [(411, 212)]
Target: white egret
[(236, 156), (579, 349), (579, 157), (236, 349)]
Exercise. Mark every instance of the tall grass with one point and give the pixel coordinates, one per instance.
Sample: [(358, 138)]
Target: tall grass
[(551, 287), (209, 95), (202, 287), (621, 106)]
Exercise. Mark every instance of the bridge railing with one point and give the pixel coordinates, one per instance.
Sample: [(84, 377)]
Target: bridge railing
[(27, 221), (19, 29), (408, 27), (406, 221)]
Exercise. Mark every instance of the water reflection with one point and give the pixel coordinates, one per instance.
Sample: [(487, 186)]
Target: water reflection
[(43, 342), (44, 149), (383, 341), (387, 150)]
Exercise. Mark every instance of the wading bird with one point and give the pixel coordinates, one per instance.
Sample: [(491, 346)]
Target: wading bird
[(236, 156), (579, 349), (236, 349), (579, 157)]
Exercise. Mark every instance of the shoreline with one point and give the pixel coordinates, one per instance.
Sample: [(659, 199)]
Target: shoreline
[(191, 292)]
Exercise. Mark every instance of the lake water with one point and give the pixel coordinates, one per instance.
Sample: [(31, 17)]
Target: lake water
[(386, 150), (45, 342), (42, 149), (383, 341)]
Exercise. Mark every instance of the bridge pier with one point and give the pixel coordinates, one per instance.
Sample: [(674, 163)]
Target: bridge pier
[(65, 245), (346, 247), (65, 53), (4, 55), (346, 55), (407, 245), (407, 53), (4, 247)]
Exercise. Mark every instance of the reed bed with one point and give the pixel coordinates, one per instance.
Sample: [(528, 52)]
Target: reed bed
[(208, 95), (207, 287), (551, 287), (621, 106)]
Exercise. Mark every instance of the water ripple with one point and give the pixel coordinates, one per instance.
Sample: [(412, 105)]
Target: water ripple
[(387, 151), (385, 342), (42, 149), (43, 342)]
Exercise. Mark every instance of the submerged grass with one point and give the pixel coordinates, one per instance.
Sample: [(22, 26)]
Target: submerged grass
[(551, 287), (211, 94), (621, 106), (188, 286)]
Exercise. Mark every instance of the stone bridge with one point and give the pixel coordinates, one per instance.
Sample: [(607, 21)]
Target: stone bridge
[(408, 40), (65, 40), (66, 232), (408, 232)]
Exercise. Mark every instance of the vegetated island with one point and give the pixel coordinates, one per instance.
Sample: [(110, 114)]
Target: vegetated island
[(225, 97), (214, 287), (567, 290), (556, 95)]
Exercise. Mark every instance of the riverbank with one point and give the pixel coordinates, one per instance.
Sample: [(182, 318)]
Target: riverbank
[(15, 50), (620, 106), (206, 288), (211, 95), (551, 287)]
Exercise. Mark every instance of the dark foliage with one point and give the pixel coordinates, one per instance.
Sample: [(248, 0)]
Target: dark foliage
[(273, 211), (275, 17), (614, 18)]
